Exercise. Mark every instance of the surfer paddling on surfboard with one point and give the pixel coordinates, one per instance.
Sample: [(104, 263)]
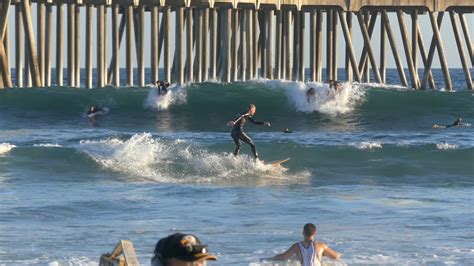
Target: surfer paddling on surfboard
[(238, 133), (456, 123)]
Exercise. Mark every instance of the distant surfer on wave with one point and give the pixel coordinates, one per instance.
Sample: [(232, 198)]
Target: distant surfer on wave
[(95, 111), (456, 123), (162, 86), (238, 133)]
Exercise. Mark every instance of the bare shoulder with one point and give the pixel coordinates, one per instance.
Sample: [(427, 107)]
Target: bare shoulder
[(320, 245), (327, 251)]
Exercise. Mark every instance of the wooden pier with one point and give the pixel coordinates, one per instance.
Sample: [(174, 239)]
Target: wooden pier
[(227, 40)]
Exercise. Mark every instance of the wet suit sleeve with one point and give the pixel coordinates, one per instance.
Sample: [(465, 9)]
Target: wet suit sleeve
[(255, 121)]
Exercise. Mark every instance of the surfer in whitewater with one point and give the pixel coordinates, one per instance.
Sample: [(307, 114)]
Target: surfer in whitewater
[(456, 123), (162, 86), (334, 87), (93, 110), (238, 133), (310, 94)]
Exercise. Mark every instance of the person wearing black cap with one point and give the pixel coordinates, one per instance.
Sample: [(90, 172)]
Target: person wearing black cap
[(180, 250)]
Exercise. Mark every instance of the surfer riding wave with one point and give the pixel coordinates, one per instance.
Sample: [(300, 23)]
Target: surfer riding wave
[(238, 133)]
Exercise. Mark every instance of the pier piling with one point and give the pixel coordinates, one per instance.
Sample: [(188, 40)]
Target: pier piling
[(226, 41)]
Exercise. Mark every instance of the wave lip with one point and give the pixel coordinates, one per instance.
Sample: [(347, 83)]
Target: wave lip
[(6, 147)]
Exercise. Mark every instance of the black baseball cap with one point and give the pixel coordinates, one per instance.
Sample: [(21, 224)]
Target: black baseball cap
[(182, 246)]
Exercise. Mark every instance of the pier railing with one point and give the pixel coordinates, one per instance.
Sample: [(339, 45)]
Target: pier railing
[(226, 40)]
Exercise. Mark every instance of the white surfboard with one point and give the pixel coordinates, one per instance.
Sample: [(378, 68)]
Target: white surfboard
[(279, 162)]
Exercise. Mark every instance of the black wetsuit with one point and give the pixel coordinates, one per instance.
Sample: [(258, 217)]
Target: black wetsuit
[(456, 123), (162, 86), (238, 133), (96, 110)]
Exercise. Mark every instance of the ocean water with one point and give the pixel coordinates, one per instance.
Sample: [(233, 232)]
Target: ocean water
[(382, 186)]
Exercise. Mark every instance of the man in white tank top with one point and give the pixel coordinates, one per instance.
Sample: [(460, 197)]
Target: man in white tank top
[(308, 251)]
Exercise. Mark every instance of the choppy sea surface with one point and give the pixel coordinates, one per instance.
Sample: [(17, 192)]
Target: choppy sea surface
[(366, 167)]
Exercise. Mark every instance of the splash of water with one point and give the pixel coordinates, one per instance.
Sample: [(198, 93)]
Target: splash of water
[(175, 96), (155, 159), (446, 146), (325, 100), (6, 147), (366, 145)]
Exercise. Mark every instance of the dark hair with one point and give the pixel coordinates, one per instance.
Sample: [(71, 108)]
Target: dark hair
[(309, 229)]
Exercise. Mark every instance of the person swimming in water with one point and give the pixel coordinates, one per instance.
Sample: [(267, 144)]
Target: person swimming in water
[(162, 87), (456, 123), (310, 94), (238, 133)]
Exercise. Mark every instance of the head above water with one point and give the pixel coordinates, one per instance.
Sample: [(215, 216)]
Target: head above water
[(252, 109), (180, 250), (309, 231)]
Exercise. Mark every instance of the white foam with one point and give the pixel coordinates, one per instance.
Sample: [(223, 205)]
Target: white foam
[(446, 146), (365, 145), (175, 95), (324, 101), (73, 261), (385, 86), (6, 147), (48, 145), (156, 159)]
